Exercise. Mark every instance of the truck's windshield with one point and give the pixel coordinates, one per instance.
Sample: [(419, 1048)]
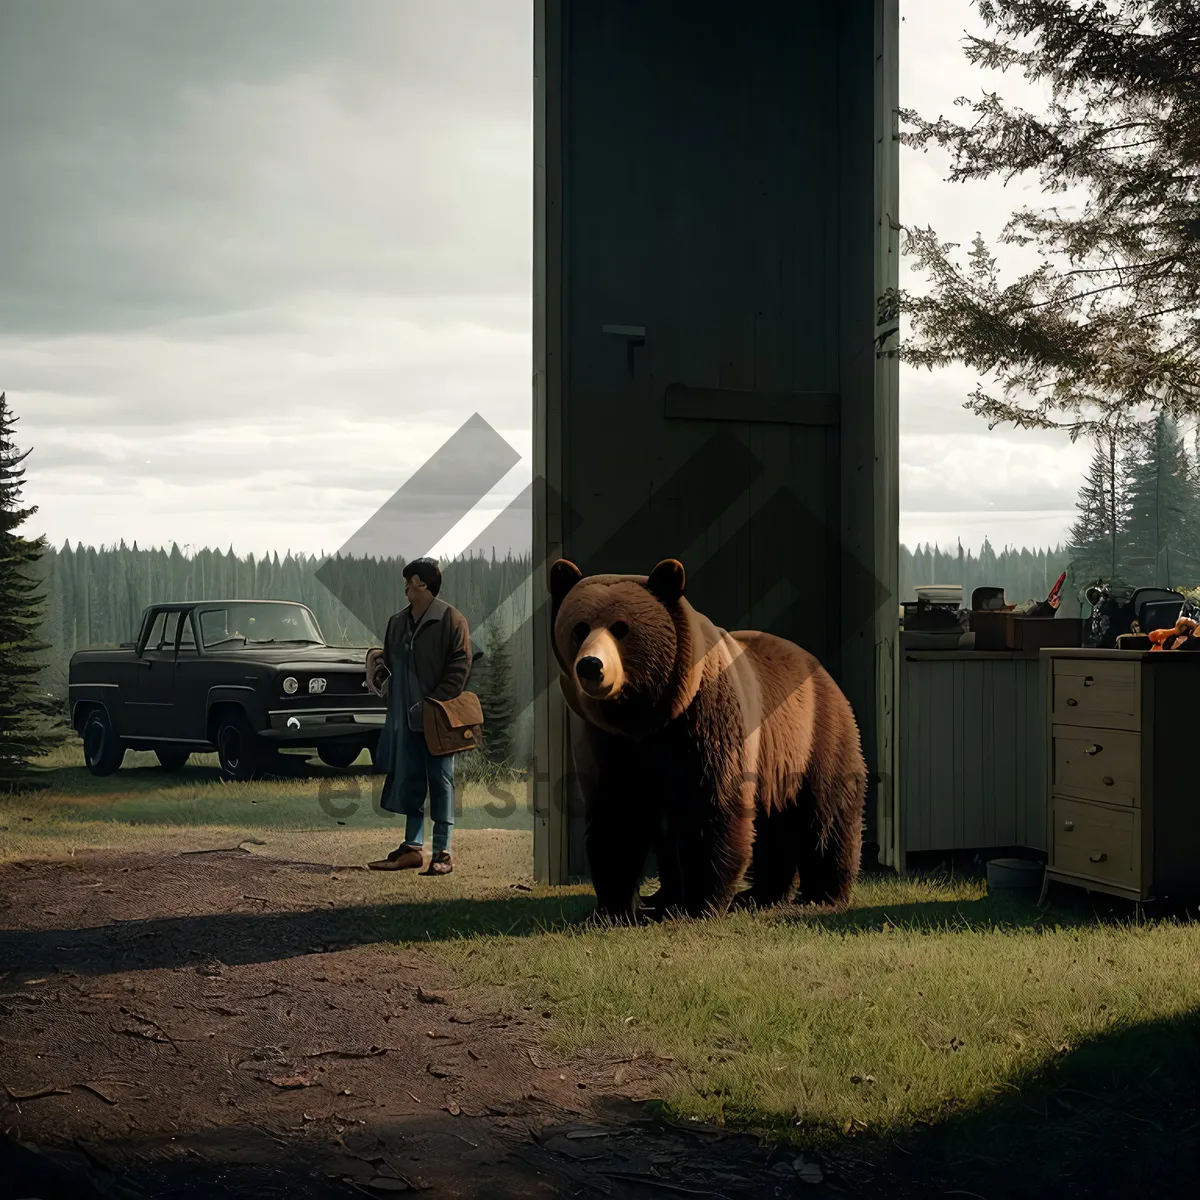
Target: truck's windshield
[(253, 624)]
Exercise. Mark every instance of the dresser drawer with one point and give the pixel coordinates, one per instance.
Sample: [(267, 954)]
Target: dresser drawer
[(1097, 693), (1092, 841), (1098, 764)]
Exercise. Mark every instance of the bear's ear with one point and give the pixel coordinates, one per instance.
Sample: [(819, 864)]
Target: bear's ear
[(564, 575), (667, 581)]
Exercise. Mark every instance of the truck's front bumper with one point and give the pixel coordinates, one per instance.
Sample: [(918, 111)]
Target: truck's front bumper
[(322, 724)]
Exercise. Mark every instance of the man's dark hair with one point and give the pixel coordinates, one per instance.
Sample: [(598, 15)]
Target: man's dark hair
[(427, 571)]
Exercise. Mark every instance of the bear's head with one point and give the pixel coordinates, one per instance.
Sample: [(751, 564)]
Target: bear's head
[(623, 643)]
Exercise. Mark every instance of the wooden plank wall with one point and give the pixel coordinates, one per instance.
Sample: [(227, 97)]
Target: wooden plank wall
[(971, 754)]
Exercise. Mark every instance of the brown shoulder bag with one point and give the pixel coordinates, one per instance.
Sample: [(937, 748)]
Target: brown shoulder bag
[(452, 726)]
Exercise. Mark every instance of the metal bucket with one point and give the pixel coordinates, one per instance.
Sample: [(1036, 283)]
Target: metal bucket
[(1014, 874)]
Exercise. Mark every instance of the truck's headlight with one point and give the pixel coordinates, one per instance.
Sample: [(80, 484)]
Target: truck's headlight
[(290, 685)]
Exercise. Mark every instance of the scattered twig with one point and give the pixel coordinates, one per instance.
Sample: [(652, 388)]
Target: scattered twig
[(372, 1053), (96, 1091), (153, 1024), (37, 1093), (662, 1184)]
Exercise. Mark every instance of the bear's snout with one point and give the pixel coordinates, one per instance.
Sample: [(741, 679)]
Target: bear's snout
[(590, 668), (598, 667)]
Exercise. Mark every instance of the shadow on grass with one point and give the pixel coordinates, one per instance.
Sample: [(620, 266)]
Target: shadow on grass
[(1116, 1116), (241, 938), (1015, 912)]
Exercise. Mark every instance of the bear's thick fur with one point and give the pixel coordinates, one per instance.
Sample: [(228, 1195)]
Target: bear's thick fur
[(730, 754)]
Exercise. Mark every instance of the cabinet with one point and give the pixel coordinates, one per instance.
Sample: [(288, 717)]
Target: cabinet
[(1122, 805)]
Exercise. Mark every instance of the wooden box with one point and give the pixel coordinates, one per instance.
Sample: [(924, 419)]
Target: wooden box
[(1007, 631)]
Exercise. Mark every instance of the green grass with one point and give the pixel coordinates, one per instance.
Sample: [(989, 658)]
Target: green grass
[(1012, 1044), (929, 1004), (310, 796), (804, 1021)]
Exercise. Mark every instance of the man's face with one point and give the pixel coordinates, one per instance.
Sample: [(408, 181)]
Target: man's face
[(414, 589)]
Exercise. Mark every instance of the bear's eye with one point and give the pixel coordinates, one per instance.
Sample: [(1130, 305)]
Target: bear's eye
[(580, 632), (618, 629)]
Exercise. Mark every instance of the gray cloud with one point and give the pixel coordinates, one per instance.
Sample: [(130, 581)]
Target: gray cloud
[(175, 159)]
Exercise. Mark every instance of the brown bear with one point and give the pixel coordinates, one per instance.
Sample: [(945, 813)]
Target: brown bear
[(733, 755)]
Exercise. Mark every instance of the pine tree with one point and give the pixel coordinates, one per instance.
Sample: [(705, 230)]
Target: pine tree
[(1109, 320), (29, 727), (492, 680), (1160, 539), (1099, 537)]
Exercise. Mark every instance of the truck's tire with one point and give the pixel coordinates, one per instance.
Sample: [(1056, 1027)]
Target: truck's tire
[(339, 754), (102, 749), (171, 759), (239, 749)]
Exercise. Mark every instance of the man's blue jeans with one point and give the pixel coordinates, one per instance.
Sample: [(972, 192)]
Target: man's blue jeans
[(412, 772)]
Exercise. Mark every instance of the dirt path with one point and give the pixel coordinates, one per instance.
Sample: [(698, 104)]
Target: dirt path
[(200, 1026)]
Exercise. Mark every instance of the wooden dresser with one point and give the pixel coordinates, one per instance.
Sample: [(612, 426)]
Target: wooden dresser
[(1122, 761)]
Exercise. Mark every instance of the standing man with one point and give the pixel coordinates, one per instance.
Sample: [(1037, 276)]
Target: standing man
[(427, 650)]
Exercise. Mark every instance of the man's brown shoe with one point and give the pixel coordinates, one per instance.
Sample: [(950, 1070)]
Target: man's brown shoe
[(440, 864), (403, 858)]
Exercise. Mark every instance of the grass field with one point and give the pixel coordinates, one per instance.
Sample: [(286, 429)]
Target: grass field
[(967, 1028)]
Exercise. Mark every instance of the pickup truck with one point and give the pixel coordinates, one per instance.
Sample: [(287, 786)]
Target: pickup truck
[(245, 678)]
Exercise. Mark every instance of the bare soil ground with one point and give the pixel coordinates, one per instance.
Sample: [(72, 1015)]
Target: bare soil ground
[(211, 1024)]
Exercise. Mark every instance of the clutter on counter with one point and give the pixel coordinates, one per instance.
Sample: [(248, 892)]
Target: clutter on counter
[(1144, 619)]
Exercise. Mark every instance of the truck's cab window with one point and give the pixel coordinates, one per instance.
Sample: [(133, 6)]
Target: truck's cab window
[(154, 639), (187, 636), (169, 631)]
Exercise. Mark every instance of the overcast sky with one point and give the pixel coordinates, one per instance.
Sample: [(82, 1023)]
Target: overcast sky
[(258, 260)]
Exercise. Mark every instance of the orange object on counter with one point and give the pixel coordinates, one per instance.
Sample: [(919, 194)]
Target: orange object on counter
[(1172, 639)]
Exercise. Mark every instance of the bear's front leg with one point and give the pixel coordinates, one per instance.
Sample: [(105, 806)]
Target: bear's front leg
[(715, 853), (617, 842), (669, 897), (618, 820)]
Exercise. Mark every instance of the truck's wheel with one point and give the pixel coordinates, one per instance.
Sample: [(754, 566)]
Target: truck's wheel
[(239, 748), (102, 749), (172, 760), (338, 754)]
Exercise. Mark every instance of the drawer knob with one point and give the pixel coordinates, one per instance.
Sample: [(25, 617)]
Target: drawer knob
[(1068, 825), (1071, 702), (1107, 780), (1097, 858), (1093, 750), (1088, 681)]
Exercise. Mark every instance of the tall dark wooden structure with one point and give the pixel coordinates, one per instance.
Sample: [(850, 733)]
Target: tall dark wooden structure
[(715, 216)]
